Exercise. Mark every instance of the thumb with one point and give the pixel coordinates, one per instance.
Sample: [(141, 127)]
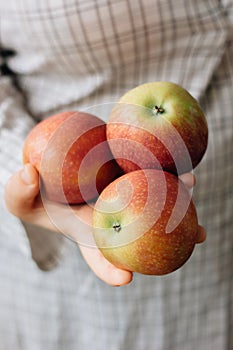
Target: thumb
[(21, 191)]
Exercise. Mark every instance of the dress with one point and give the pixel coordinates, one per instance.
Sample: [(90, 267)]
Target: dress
[(76, 54)]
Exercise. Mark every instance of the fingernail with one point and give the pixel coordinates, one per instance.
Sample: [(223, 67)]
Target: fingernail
[(26, 175)]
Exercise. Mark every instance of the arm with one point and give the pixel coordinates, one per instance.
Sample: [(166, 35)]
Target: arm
[(15, 123), (22, 192)]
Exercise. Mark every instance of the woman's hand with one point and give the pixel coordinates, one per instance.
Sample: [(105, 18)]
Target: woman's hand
[(23, 200)]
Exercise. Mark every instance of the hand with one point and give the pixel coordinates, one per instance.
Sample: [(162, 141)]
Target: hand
[(24, 201)]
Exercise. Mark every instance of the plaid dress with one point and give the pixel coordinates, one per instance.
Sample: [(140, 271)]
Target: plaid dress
[(77, 54)]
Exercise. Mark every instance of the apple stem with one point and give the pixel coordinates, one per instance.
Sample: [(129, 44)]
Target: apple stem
[(116, 226), (158, 110)]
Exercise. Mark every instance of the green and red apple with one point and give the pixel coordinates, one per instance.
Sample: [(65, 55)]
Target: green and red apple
[(72, 155), (145, 221), (157, 125)]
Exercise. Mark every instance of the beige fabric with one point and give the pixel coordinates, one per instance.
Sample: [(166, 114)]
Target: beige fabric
[(77, 54)]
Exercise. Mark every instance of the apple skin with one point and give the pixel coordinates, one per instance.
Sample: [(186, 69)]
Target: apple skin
[(58, 147), (131, 222), (157, 125)]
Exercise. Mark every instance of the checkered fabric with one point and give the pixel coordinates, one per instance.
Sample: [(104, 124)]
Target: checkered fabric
[(75, 54)]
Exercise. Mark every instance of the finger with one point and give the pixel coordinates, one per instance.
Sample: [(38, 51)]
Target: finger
[(201, 235), (21, 191), (103, 269), (188, 179)]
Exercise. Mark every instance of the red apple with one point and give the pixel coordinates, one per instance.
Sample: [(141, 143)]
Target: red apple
[(157, 125), (72, 156), (145, 221)]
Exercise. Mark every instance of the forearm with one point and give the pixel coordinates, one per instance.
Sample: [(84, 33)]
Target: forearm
[(15, 123)]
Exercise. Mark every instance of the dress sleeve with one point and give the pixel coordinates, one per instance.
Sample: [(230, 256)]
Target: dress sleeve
[(15, 122)]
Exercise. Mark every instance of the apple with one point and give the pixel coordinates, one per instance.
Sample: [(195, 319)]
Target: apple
[(145, 221), (157, 125), (72, 155)]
